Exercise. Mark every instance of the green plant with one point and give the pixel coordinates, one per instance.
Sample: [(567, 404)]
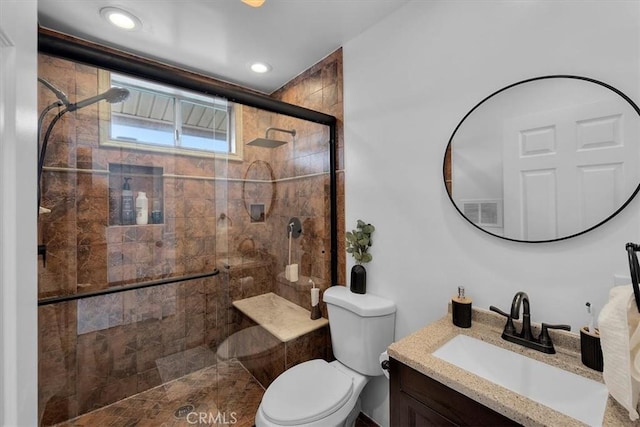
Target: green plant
[(359, 242)]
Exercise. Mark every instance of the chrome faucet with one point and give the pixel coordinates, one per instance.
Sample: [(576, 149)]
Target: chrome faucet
[(525, 336)]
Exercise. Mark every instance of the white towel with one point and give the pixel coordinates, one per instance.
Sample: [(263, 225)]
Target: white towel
[(619, 324)]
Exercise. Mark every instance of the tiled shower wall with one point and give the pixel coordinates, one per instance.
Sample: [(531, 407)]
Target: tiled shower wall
[(320, 88), (99, 350), (75, 187)]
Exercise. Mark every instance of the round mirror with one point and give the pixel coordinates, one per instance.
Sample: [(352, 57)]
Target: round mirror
[(545, 159)]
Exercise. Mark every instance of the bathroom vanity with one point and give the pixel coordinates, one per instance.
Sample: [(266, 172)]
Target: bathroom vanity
[(427, 390), (418, 400)]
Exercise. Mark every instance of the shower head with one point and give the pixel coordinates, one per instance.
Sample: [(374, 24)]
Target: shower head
[(268, 142), (112, 96), (59, 94)]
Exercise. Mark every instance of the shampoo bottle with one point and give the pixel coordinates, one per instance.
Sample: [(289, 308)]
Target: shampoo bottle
[(142, 208), (127, 212)]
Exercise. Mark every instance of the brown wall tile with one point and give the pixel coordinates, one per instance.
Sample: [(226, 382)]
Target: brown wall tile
[(118, 346)]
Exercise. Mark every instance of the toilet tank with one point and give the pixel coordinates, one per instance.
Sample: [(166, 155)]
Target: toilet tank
[(362, 326)]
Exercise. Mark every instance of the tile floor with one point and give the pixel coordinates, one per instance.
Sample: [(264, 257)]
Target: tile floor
[(220, 395), (224, 394)]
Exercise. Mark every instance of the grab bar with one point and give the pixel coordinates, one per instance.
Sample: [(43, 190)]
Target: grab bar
[(124, 288)]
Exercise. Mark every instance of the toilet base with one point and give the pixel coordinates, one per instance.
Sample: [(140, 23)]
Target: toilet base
[(353, 415)]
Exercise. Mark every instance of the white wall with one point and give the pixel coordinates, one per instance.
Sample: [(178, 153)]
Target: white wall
[(407, 83), (18, 148)]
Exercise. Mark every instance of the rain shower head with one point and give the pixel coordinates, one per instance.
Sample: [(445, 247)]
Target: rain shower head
[(268, 142), (112, 96)]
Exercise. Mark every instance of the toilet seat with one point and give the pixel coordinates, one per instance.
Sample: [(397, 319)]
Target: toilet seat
[(306, 393)]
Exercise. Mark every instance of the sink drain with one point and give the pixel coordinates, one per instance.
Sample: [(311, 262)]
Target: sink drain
[(183, 411)]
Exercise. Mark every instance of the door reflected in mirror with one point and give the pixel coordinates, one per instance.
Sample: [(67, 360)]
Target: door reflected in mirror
[(545, 159)]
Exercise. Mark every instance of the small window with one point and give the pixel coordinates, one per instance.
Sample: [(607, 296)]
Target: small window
[(167, 119)]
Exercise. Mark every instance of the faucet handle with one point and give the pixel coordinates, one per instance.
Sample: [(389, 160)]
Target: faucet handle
[(545, 339), (509, 328), (497, 310)]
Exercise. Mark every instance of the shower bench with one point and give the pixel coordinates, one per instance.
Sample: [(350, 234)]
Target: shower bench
[(275, 334)]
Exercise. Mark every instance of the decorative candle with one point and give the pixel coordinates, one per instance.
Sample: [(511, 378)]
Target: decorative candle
[(315, 296)]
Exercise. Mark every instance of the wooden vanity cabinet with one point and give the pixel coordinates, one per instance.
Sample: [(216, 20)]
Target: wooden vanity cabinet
[(417, 400)]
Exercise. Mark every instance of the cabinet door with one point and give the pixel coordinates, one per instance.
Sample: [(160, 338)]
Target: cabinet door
[(412, 413), (418, 400)]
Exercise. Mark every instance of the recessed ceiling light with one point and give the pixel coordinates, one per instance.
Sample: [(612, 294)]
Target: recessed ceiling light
[(260, 67), (253, 3), (120, 18)]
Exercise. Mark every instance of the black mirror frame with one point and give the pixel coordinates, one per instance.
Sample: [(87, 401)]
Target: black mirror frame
[(587, 79)]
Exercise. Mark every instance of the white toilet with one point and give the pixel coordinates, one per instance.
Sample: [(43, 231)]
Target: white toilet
[(321, 394)]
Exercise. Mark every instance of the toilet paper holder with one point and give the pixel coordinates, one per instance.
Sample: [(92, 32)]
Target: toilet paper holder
[(384, 363)]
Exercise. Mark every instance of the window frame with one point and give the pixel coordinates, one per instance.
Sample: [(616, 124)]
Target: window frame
[(178, 95)]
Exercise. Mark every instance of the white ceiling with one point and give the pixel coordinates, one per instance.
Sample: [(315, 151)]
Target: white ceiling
[(221, 38)]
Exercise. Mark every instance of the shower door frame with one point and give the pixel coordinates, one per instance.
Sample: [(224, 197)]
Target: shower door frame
[(67, 47)]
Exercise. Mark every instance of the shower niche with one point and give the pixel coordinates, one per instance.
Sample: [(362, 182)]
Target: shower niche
[(147, 179)]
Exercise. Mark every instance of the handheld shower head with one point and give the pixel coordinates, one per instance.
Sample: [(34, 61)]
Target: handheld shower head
[(59, 94), (113, 95)]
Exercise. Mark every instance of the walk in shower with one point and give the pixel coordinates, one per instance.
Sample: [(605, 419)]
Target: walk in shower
[(160, 319)]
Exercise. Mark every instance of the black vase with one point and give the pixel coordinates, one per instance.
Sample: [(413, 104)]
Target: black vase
[(358, 279)]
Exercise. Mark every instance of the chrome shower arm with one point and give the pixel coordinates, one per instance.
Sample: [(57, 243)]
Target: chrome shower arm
[(292, 132)]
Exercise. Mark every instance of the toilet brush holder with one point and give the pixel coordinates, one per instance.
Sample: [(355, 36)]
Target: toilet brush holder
[(590, 349)]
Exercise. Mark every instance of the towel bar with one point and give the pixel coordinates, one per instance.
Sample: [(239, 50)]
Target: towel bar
[(632, 248)]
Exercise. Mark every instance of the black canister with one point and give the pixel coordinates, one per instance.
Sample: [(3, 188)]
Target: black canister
[(590, 349), (461, 309)]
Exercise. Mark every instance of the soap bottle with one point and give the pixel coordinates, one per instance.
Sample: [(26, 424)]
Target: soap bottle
[(461, 309), (315, 301), (142, 208), (127, 212)]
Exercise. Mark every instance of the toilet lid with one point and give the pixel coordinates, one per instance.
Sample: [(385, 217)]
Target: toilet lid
[(306, 393)]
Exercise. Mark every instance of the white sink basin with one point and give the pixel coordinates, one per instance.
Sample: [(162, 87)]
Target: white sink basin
[(566, 392)]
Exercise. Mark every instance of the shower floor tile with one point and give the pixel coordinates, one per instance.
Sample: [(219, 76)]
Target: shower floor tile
[(225, 394)]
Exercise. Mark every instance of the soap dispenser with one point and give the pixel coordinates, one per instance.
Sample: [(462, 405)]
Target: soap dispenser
[(315, 301), (127, 215), (461, 309)]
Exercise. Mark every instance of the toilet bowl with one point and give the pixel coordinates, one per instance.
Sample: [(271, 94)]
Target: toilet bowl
[(322, 394), (313, 394)]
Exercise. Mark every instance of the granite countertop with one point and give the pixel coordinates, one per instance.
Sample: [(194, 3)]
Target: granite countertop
[(415, 351)]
